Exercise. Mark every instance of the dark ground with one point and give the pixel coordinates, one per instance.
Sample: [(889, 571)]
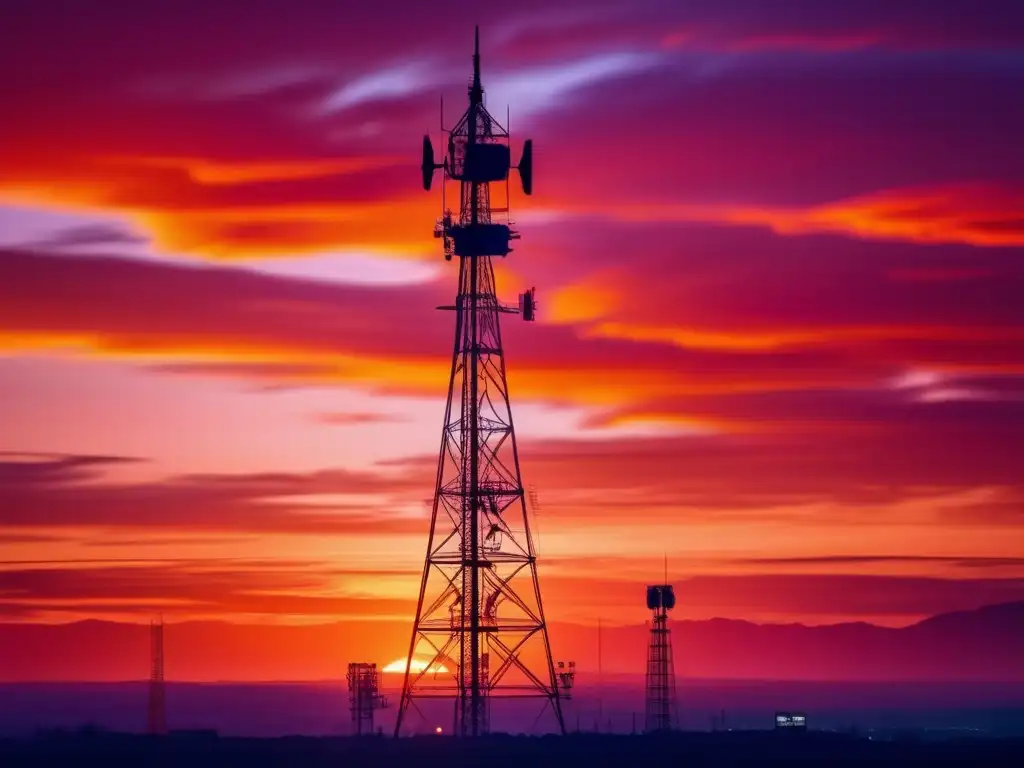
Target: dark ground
[(268, 710), (720, 750)]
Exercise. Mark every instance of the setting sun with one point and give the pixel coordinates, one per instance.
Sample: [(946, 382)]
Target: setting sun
[(418, 665)]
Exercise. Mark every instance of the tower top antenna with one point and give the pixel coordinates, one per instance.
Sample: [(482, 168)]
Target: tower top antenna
[(476, 90)]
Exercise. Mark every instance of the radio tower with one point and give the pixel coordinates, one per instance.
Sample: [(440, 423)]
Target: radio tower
[(661, 678), (157, 714), (479, 632)]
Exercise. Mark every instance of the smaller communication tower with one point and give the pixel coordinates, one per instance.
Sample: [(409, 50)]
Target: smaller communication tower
[(661, 678), (364, 695), (566, 671), (157, 712)]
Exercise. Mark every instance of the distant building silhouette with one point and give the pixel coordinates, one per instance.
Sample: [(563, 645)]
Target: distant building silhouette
[(790, 721)]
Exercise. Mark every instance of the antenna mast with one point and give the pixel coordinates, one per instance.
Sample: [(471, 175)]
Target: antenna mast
[(660, 706), (600, 675), (479, 625), (157, 724)]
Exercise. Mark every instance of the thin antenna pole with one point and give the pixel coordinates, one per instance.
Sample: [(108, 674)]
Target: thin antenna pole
[(157, 706), (508, 177), (600, 673), (444, 179), (477, 91)]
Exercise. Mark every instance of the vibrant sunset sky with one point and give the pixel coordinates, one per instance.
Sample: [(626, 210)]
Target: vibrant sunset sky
[(779, 258)]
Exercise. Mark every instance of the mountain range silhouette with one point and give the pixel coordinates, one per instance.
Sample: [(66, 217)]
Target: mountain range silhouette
[(975, 645)]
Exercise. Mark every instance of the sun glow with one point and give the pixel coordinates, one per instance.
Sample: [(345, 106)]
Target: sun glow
[(418, 665)]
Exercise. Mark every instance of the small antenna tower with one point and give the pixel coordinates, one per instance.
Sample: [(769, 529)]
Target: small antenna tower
[(157, 724), (600, 674), (660, 704), (479, 614), (566, 677), (364, 695)]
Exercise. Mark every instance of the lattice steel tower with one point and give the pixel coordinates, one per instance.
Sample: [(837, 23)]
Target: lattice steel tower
[(364, 696), (479, 633), (157, 724), (659, 713)]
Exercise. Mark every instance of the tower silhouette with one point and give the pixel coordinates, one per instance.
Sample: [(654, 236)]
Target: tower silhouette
[(157, 725), (660, 704), (479, 633), (364, 695)]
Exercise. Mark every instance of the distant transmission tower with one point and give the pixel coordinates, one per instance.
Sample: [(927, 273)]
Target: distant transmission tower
[(661, 679), (479, 632), (364, 695), (157, 712)]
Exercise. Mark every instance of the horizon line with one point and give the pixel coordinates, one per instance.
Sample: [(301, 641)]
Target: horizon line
[(142, 622)]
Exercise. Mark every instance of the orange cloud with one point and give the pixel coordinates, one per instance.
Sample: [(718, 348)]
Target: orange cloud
[(592, 298), (309, 332), (981, 215), (973, 214), (762, 341), (240, 232), (214, 172)]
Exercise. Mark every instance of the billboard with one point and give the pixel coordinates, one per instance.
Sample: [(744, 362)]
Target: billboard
[(790, 720)]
